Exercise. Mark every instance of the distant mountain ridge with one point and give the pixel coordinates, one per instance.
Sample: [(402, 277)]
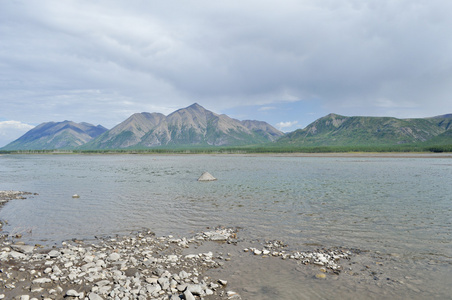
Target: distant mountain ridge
[(193, 125), (56, 135), (337, 130)]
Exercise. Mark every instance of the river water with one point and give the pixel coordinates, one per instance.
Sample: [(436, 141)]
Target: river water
[(396, 209)]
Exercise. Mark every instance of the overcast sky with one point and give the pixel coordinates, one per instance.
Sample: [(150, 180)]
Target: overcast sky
[(284, 62)]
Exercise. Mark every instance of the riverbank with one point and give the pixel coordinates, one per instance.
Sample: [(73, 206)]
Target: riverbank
[(215, 263), (138, 266)]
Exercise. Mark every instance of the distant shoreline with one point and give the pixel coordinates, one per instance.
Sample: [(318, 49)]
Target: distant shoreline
[(251, 154)]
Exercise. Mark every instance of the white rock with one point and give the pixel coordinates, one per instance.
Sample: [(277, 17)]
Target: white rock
[(195, 289), (94, 296), (36, 289), (153, 289), (27, 249), (114, 257), (152, 280), (222, 282), (209, 292), (164, 283), (103, 282), (54, 253), (206, 176), (257, 252), (172, 258), (188, 295), (183, 274), (42, 280), (17, 255), (72, 293)]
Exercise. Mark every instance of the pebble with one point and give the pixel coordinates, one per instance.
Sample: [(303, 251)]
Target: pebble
[(94, 296), (72, 293), (114, 257)]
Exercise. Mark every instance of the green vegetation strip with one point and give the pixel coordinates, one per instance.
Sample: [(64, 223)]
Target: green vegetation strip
[(252, 149)]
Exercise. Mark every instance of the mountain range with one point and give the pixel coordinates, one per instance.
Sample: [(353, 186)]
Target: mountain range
[(194, 126), (190, 126), (337, 130)]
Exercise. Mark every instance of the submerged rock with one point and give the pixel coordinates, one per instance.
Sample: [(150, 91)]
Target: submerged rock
[(206, 176)]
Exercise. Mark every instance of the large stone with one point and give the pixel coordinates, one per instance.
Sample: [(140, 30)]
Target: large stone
[(195, 289), (17, 255), (188, 295), (206, 176), (27, 249), (164, 283), (54, 253)]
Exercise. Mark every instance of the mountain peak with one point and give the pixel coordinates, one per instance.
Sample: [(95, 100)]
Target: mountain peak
[(196, 106), (193, 125), (56, 135)]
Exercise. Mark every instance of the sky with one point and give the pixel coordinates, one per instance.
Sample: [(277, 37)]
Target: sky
[(284, 62)]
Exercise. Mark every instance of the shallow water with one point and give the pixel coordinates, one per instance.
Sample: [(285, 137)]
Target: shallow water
[(400, 208)]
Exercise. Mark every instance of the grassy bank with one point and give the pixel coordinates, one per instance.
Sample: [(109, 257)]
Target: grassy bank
[(252, 149)]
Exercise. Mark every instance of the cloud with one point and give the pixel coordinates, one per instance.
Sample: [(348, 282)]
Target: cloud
[(12, 130), (100, 61), (286, 125), (266, 108)]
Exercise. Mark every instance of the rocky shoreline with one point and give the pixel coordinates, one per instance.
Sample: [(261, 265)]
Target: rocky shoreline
[(6, 196), (138, 266)]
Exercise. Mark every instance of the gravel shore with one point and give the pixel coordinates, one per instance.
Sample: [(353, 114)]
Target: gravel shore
[(137, 266), (140, 265)]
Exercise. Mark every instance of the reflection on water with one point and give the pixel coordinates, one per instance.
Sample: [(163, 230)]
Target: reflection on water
[(389, 205)]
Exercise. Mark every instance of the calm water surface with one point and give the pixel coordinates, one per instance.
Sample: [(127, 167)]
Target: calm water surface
[(400, 207)]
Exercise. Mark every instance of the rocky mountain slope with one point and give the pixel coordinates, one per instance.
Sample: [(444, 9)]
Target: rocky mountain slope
[(337, 130), (193, 125), (56, 135)]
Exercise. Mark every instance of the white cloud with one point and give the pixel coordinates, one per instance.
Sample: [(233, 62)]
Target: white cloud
[(5, 126), (12, 130), (286, 125)]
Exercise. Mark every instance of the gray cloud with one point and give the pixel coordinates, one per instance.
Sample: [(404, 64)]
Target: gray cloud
[(102, 61)]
